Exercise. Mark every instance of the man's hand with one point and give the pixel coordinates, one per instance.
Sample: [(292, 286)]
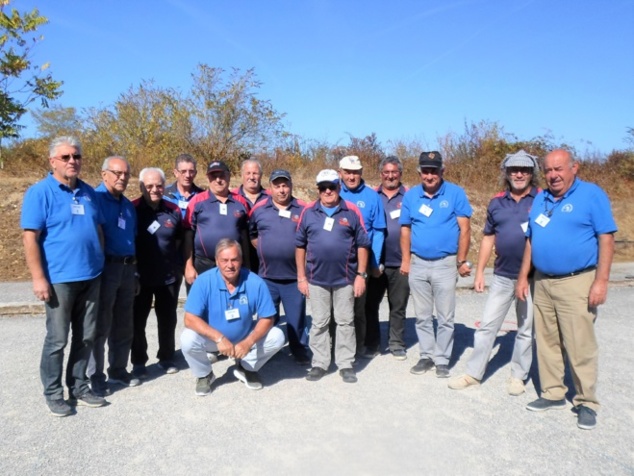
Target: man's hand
[(242, 348), (303, 287), (359, 286), (226, 347), (190, 274), (598, 293), (464, 270), (479, 283), (521, 289), (376, 272), (405, 268), (42, 289)]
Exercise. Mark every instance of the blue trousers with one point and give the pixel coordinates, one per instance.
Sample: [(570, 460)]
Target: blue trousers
[(285, 291)]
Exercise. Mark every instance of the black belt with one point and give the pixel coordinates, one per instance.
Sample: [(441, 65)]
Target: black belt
[(569, 275), (121, 259)]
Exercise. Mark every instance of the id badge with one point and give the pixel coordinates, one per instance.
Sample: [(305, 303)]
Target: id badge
[(425, 210), (223, 208), (329, 223), (394, 214), (524, 226), (121, 223), (232, 314), (76, 208), (182, 204), (542, 220), (285, 213), (153, 227)]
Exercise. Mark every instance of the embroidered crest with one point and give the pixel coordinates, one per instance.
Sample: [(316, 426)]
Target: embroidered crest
[(444, 204)]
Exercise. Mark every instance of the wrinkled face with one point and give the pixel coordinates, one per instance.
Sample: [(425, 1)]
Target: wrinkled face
[(251, 177), (390, 177), (65, 163), (328, 193), (519, 178), (559, 172), (152, 187), (431, 178), (352, 178), (229, 263), (185, 174), (116, 177), (281, 191), (219, 183)]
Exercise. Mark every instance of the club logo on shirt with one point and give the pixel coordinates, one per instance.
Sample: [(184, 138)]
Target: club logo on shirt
[(344, 221), (168, 223), (244, 300), (567, 208), (444, 204), (295, 218), (361, 204), (238, 213)]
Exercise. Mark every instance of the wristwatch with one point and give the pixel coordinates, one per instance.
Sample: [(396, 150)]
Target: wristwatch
[(467, 262), (363, 275)]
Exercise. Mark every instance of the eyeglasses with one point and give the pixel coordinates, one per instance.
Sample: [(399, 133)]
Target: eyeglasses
[(323, 188), (388, 173), (186, 172), (119, 173), (67, 157), (523, 170)]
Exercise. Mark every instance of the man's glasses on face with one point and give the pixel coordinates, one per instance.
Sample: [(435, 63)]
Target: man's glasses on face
[(519, 170), (187, 172), (119, 173), (67, 157), (330, 186)]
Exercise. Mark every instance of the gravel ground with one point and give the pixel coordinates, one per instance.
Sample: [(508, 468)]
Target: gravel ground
[(390, 422)]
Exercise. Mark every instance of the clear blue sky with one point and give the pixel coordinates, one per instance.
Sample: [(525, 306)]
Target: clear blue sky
[(402, 69)]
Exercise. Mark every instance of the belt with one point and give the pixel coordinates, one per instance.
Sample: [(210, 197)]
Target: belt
[(433, 259), (121, 259), (569, 275)]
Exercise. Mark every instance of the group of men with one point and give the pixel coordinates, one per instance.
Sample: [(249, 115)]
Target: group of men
[(244, 252)]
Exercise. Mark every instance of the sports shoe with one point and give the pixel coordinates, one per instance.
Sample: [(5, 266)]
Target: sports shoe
[(139, 371), (99, 387), (315, 374), (213, 357), (203, 384), (59, 407), (462, 382), (348, 375), (168, 367), (250, 379), (442, 371), (515, 387), (586, 417), (399, 354), (87, 399), (124, 378), (422, 366), (541, 405), (368, 353)]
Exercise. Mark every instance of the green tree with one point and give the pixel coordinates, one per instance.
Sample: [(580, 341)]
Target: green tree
[(56, 121)]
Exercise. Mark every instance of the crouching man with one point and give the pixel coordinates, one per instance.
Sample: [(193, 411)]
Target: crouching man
[(219, 318)]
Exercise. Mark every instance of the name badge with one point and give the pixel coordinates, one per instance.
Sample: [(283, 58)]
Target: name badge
[(182, 204), (223, 208), (524, 226), (76, 208), (232, 314), (394, 214), (542, 220), (328, 224), (121, 223), (153, 227), (425, 210), (285, 213)]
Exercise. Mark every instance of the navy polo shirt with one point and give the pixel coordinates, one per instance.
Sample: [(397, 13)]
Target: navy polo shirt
[(211, 221), (331, 255), (159, 257), (210, 300), (434, 220), (392, 255), (171, 194), (119, 228), (264, 194), (507, 220), (569, 241), (275, 231), (68, 222)]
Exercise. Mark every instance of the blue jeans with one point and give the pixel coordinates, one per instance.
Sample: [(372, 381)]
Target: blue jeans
[(501, 296), (294, 302), (433, 282), (73, 306)]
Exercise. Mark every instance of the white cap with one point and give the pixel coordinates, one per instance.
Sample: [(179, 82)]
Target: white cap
[(327, 175), (350, 162)]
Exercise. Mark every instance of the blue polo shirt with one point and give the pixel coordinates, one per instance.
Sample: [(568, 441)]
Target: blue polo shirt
[(569, 241), (331, 255), (264, 194), (171, 194), (507, 220), (209, 299), (159, 255), (68, 223), (434, 220), (119, 229), (275, 231), (211, 221), (392, 255), (371, 207)]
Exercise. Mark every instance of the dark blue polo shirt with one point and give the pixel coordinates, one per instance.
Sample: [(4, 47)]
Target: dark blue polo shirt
[(391, 256), (171, 194), (210, 225), (159, 256), (507, 220), (120, 228), (264, 194), (275, 231), (331, 256)]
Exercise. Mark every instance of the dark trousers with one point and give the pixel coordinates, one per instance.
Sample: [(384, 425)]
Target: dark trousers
[(397, 287), (72, 307), (294, 302), (165, 304)]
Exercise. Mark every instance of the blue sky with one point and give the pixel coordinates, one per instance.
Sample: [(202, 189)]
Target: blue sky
[(406, 70)]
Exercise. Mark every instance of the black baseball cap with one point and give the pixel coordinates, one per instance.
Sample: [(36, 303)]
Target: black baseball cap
[(218, 166), (430, 159)]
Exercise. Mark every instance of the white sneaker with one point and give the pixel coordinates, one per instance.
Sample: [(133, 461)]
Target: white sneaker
[(516, 387), (462, 382)]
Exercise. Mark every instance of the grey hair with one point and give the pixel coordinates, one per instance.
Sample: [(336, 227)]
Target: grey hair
[(185, 158), (147, 170), (107, 160), (226, 243), (391, 159), (71, 141), (251, 161)]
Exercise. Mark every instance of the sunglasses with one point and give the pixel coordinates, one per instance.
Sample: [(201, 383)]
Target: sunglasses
[(67, 157), (331, 186), (119, 173)]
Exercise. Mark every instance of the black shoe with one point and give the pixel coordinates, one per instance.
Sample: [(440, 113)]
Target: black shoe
[(250, 379), (368, 353), (139, 371), (586, 417), (315, 374), (301, 357), (59, 407), (99, 387), (399, 354), (442, 371), (541, 405), (423, 365), (348, 375), (88, 399), (124, 378)]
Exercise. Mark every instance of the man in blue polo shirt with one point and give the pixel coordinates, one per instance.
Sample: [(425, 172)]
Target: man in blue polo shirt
[(435, 235), (571, 245), (183, 189), (507, 220), (354, 190), (332, 256), (219, 318), (63, 244), (272, 225), (118, 282)]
